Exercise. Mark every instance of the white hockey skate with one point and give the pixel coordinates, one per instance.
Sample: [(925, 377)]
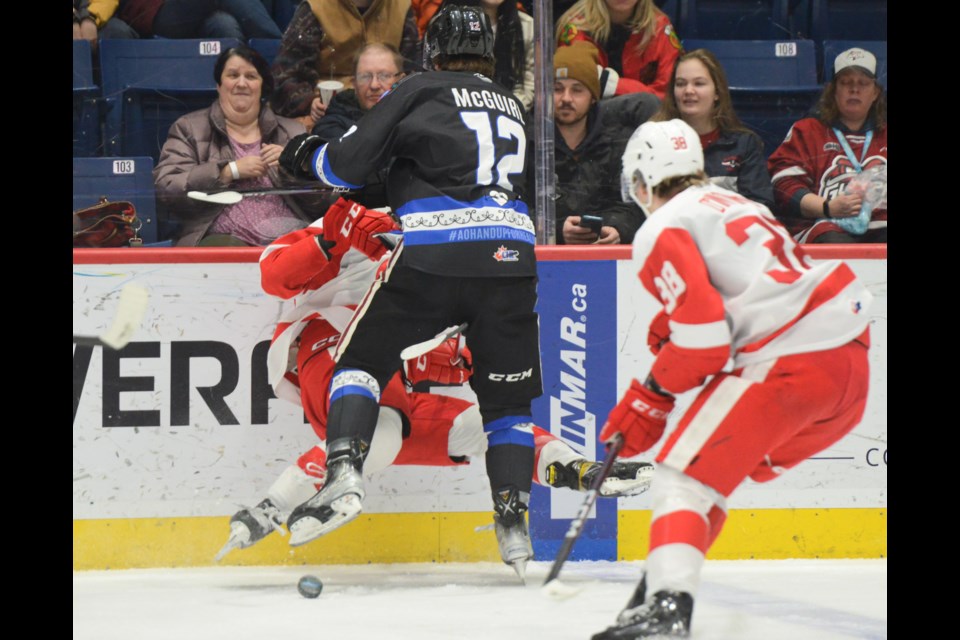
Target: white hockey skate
[(337, 503), (510, 525), (251, 525), (625, 479)]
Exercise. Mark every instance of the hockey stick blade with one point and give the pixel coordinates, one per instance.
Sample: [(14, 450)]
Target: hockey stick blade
[(130, 310), (576, 525), (556, 590), (416, 350), (233, 197)]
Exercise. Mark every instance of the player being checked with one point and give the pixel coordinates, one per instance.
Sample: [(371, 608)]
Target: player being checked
[(323, 274)]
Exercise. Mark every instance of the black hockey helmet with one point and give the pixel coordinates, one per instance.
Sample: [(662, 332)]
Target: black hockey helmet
[(458, 30)]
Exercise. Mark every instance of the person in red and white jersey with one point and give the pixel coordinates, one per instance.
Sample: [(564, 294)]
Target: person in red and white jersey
[(324, 278), (821, 171), (776, 343)]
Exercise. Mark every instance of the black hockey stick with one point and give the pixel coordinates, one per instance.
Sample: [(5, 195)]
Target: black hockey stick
[(552, 585), (233, 197), (126, 321)]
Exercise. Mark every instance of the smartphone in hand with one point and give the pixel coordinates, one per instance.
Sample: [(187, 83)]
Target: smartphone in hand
[(591, 222)]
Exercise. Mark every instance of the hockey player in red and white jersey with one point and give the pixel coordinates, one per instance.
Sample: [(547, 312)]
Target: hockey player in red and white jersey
[(325, 270), (776, 343)]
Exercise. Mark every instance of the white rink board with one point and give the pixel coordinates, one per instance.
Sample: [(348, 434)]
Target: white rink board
[(205, 468)]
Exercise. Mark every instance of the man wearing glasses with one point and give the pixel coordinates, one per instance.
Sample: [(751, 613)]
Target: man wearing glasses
[(322, 41), (377, 68)]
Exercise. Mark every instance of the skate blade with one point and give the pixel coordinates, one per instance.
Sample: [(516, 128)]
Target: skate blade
[(232, 543), (617, 487), (309, 528), (520, 566), (614, 488)]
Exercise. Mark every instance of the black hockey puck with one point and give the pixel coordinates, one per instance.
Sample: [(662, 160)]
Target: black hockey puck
[(310, 586)]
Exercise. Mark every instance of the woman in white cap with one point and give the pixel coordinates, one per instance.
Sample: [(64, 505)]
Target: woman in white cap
[(813, 170)]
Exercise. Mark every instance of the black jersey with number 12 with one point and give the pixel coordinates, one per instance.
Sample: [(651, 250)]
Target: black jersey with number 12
[(458, 150)]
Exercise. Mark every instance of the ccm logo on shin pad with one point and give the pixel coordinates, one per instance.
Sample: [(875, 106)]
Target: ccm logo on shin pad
[(511, 377)]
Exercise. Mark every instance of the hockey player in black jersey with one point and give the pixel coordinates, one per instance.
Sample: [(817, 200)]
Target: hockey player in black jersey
[(455, 145)]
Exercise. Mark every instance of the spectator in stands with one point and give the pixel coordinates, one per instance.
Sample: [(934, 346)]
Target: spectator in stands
[(638, 45), (423, 10), (322, 42), (240, 19), (733, 154), (233, 144), (281, 11), (84, 23), (812, 168), (513, 42), (377, 68), (94, 20), (589, 143)]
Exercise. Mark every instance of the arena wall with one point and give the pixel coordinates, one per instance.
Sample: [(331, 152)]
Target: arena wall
[(173, 433)]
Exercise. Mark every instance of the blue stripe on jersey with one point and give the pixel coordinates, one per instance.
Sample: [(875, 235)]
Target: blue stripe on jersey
[(321, 168), (446, 203), (472, 233), (442, 220)]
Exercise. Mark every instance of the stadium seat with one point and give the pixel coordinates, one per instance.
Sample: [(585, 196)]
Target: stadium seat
[(831, 48), (86, 94), (267, 47), (120, 178), (735, 20), (150, 83), (669, 7), (848, 20), (773, 83)]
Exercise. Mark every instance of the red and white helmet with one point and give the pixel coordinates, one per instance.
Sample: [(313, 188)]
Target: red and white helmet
[(657, 151)]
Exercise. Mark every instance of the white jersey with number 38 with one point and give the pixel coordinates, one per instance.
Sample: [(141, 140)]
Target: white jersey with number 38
[(734, 283)]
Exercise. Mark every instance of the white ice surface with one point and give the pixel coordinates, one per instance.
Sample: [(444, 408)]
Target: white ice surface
[(738, 600)]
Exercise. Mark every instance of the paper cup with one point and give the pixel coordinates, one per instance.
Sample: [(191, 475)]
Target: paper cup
[(328, 89)]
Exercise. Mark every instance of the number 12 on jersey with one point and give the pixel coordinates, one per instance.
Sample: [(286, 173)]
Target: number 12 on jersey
[(509, 163)]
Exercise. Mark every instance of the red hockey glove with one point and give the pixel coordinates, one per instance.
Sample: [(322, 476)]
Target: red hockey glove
[(350, 224), (367, 228), (447, 364), (641, 416), (659, 333), (337, 224)]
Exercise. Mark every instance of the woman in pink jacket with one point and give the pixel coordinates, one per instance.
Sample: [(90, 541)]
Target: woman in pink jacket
[(234, 144)]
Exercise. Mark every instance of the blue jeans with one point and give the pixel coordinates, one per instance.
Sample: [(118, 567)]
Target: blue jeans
[(117, 29), (241, 19), (281, 11)]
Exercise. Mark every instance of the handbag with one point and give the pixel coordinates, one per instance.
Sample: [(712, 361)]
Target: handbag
[(107, 224)]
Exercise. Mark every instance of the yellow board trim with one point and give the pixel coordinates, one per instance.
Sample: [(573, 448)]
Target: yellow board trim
[(776, 534), (452, 537), (193, 542)]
